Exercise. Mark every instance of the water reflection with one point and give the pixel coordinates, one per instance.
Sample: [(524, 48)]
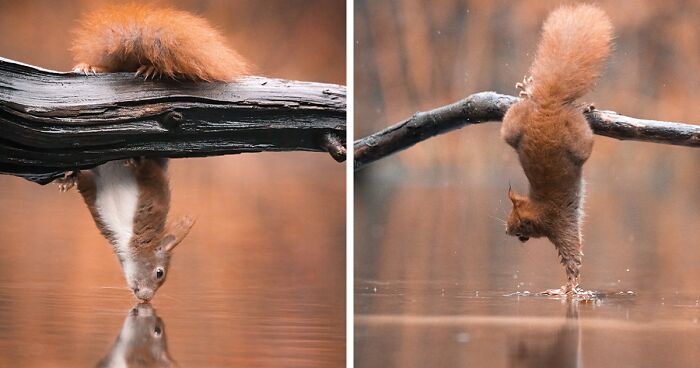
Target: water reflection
[(545, 349), (141, 341)]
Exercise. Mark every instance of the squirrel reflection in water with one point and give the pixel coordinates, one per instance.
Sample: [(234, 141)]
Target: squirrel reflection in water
[(559, 349), (141, 341)]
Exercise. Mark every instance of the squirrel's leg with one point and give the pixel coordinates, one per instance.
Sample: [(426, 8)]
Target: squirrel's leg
[(512, 126), (580, 140), (570, 254)]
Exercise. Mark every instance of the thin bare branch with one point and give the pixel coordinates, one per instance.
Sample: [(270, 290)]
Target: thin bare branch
[(491, 107)]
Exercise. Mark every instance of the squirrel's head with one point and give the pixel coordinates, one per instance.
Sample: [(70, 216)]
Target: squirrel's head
[(141, 341), (146, 268), (524, 219)]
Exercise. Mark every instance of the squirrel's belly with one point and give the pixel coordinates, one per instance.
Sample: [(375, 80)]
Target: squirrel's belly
[(116, 199)]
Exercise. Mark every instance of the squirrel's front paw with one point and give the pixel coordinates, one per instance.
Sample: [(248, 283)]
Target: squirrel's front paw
[(84, 68), (135, 162), (524, 87), (69, 180), (149, 71)]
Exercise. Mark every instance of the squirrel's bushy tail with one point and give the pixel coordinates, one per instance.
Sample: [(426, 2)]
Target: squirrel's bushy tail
[(576, 40)]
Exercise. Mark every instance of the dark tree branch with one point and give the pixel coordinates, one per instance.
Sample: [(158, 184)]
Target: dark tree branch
[(52, 122), (490, 106)]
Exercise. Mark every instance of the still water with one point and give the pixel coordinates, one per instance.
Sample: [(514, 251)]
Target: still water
[(259, 282), (443, 325), (439, 283)]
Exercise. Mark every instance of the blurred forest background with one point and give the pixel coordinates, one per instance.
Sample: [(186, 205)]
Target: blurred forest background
[(268, 245), (428, 236), (431, 212)]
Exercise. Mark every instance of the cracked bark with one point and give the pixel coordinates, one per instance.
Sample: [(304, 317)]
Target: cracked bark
[(52, 122)]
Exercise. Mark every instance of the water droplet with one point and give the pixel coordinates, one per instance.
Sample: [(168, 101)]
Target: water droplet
[(462, 337)]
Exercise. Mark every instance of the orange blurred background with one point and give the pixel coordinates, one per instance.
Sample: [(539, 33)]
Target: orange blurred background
[(432, 260), (260, 280)]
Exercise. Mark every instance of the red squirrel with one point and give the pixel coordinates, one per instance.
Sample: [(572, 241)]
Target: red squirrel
[(129, 199), (551, 135)]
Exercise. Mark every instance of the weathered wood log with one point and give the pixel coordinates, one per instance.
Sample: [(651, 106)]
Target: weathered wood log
[(51, 122), (491, 107)]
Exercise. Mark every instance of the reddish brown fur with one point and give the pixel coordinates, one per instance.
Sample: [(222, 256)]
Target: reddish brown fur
[(153, 204), (550, 133), (179, 45)]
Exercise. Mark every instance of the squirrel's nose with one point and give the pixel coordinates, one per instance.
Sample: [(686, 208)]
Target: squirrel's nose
[(144, 294)]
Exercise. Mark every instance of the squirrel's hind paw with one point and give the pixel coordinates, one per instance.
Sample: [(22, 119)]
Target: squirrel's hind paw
[(84, 68), (69, 180), (524, 87), (149, 71)]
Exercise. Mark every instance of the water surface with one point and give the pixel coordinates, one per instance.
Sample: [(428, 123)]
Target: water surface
[(440, 284)]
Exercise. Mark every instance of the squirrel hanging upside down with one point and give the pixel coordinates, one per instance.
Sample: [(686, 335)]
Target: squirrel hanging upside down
[(130, 199), (551, 135)]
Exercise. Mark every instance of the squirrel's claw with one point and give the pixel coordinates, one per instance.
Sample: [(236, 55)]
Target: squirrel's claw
[(143, 70), (148, 71), (524, 87), (87, 69), (69, 180)]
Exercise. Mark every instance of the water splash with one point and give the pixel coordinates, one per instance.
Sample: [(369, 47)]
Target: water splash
[(578, 294)]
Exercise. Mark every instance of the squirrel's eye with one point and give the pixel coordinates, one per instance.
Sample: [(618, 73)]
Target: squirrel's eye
[(160, 272)]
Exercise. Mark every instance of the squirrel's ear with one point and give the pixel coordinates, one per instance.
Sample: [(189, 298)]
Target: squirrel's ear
[(176, 232), (511, 194)]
